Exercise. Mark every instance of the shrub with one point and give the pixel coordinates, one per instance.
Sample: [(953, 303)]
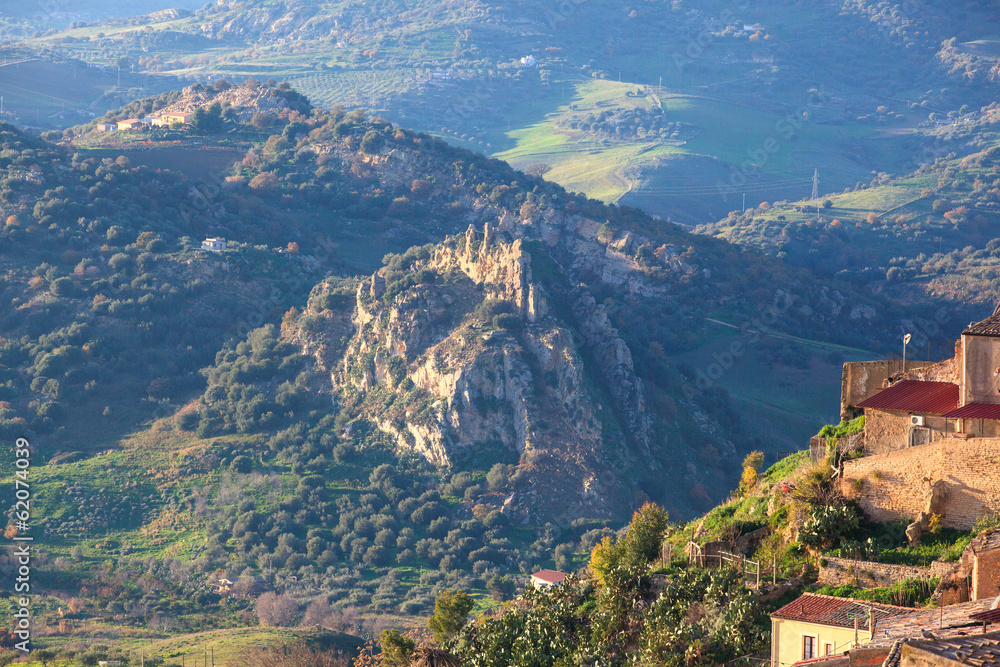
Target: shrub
[(507, 321), (371, 142), (829, 525), (264, 183), (241, 464)]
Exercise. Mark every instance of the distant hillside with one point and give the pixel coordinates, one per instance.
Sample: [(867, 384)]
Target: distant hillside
[(539, 87), (923, 236)]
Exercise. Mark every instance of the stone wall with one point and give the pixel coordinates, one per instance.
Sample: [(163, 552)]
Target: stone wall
[(866, 574), (986, 575), (894, 486), (980, 381), (886, 431), (860, 380), (891, 431)]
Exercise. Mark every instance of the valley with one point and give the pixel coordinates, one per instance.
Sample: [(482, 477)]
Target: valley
[(451, 333)]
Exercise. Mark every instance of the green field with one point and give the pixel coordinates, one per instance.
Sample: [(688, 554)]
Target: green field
[(785, 388)]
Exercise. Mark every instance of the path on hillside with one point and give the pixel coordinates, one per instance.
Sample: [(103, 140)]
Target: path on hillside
[(796, 339)]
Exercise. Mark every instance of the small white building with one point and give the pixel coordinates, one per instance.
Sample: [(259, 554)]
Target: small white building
[(749, 28), (529, 61), (213, 245), (546, 578)]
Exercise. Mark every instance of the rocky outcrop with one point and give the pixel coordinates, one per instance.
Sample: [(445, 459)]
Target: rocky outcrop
[(615, 362), (432, 369), (934, 499), (502, 268)]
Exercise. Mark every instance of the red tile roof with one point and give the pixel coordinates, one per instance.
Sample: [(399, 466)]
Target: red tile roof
[(841, 612), (549, 576), (934, 398), (976, 411)]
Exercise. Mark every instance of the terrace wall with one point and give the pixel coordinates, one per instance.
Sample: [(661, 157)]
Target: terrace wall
[(895, 485), (867, 574)]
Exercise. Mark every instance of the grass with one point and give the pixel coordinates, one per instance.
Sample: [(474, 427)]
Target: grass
[(654, 174), (780, 380)]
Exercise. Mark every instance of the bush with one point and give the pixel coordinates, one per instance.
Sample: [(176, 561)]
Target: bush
[(490, 308), (62, 287), (507, 321), (371, 142), (241, 464), (829, 525)]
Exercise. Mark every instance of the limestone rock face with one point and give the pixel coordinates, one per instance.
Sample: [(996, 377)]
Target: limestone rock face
[(458, 357)]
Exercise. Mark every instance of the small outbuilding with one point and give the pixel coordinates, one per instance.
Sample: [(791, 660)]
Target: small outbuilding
[(213, 245)]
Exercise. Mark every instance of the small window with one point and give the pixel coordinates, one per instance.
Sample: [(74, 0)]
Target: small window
[(808, 647), (828, 649)]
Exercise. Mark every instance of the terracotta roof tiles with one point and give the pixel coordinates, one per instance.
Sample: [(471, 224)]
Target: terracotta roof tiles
[(988, 327), (829, 610), (549, 576)]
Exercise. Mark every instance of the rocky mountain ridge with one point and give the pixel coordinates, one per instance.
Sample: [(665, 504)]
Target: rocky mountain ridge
[(510, 386)]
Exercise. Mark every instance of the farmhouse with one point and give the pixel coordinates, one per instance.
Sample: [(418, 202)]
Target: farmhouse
[(222, 586), (107, 127), (131, 124), (213, 245), (822, 630), (168, 119), (546, 578), (931, 435)]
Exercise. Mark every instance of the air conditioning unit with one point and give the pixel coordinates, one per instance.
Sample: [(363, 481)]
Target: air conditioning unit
[(916, 420)]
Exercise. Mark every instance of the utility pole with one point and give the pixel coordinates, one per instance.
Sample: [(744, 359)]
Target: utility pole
[(815, 192), (744, 202)]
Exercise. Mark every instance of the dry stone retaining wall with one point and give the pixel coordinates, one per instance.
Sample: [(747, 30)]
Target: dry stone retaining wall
[(866, 574), (894, 486)]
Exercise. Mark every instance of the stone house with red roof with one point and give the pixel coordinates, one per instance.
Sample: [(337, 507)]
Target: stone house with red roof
[(932, 435)]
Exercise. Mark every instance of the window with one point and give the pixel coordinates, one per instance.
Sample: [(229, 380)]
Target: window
[(808, 647), (828, 649)]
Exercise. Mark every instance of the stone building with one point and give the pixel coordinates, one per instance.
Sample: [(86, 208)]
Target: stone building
[(932, 435)]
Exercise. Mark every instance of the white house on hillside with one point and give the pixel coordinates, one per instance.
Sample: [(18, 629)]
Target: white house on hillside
[(546, 578), (213, 245)]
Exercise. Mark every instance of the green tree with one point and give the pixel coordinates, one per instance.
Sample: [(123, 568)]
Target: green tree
[(645, 533), (397, 649), (751, 470), (451, 612), (208, 120)]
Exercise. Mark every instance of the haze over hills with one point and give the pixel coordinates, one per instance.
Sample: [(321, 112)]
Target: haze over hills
[(402, 367), (714, 82), (409, 356)]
